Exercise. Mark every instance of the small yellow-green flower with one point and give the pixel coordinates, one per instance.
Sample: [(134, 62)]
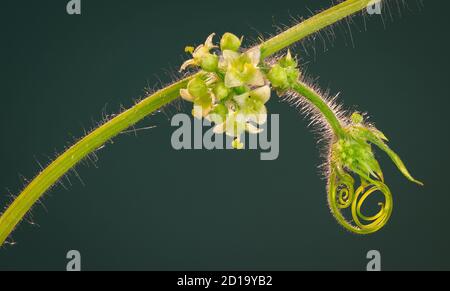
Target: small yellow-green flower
[(198, 93), (241, 114), (234, 125), (242, 69), (252, 104), (202, 56)]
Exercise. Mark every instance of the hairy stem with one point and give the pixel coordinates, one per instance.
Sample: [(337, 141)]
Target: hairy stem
[(313, 97), (57, 169), (48, 177), (313, 24)]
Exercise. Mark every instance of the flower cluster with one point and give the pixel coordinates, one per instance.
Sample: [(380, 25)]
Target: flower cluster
[(232, 91)]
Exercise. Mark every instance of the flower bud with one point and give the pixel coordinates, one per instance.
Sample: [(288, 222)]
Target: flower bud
[(230, 42), (285, 73), (219, 114), (209, 62), (357, 118), (198, 88), (288, 61), (221, 91), (278, 77)]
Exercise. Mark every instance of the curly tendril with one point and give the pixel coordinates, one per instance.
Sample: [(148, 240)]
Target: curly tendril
[(342, 196), (345, 192), (351, 154)]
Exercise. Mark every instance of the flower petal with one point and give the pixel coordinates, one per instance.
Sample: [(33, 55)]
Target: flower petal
[(187, 64), (184, 93), (197, 112), (254, 55), (230, 56), (241, 99), (232, 79), (261, 94), (257, 118), (227, 58), (235, 124), (253, 129), (209, 41), (259, 115), (257, 79), (219, 128)]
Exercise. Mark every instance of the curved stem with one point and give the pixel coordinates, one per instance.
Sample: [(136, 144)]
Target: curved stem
[(48, 177), (313, 24), (90, 143), (313, 97)]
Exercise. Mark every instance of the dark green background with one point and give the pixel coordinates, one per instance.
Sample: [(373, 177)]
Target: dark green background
[(149, 207)]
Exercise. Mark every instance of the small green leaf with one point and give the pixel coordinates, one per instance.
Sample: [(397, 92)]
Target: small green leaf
[(376, 140)]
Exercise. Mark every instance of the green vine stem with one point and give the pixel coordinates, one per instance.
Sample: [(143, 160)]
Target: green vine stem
[(66, 161), (313, 24), (57, 169), (312, 96)]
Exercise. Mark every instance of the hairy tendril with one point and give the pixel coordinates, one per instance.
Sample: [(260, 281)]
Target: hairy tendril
[(351, 153), (342, 195), (231, 89)]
